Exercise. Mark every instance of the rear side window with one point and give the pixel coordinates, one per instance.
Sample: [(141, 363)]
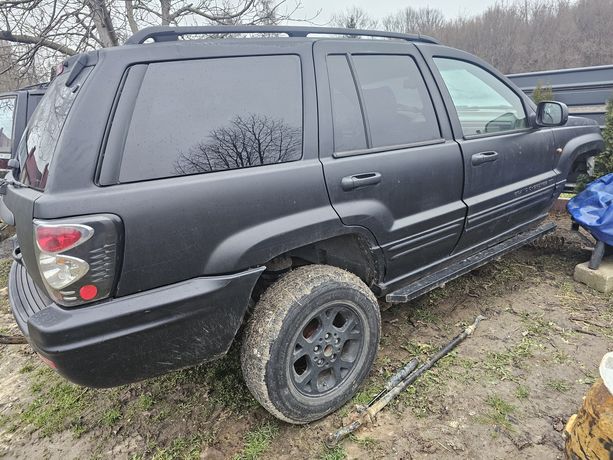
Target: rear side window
[(208, 115), (396, 100), (7, 117), (347, 121)]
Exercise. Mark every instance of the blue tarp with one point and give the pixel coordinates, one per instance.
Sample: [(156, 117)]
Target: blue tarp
[(593, 209)]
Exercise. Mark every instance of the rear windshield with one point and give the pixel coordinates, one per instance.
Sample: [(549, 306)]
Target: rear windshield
[(38, 143)]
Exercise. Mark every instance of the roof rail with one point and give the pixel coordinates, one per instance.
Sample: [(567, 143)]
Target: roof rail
[(168, 33)]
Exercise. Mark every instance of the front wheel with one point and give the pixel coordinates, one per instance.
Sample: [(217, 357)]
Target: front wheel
[(311, 341)]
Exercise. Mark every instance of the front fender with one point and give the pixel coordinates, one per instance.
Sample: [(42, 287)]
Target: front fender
[(574, 148)]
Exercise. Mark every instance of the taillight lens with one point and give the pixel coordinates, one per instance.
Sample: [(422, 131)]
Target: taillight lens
[(60, 271), (56, 238), (78, 261)]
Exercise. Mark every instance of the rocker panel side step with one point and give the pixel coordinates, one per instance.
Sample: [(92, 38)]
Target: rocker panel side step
[(461, 267)]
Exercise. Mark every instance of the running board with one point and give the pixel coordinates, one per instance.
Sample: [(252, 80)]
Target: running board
[(461, 267)]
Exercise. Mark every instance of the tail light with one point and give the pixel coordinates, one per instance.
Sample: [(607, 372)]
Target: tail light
[(78, 257)]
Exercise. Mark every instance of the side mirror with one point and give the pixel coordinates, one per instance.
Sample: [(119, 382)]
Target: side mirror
[(551, 113)]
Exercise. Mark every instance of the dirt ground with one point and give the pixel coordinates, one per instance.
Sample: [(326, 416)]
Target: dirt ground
[(506, 392)]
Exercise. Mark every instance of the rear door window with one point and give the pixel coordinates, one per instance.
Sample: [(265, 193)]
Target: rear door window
[(207, 115), (7, 121), (397, 102)]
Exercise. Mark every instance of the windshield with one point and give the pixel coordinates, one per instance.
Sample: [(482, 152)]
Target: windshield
[(38, 142)]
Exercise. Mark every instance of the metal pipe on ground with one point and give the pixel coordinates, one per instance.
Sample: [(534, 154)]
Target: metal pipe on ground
[(365, 415)]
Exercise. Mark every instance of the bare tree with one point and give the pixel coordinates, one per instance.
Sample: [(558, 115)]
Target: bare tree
[(48, 30), (354, 18), (415, 20), (252, 140), (515, 36)]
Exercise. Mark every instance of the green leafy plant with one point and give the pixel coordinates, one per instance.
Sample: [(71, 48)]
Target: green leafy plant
[(542, 93), (603, 163)]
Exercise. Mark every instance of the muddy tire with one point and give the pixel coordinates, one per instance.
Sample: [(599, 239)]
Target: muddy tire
[(311, 341)]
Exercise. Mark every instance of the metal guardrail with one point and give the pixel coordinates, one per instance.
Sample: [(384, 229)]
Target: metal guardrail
[(585, 90)]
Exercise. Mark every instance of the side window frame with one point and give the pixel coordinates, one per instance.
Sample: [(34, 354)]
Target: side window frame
[(358, 92), (369, 148), (451, 108)]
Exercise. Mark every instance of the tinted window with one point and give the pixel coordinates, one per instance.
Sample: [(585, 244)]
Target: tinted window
[(483, 102), (208, 115), (347, 118), (38, 143), (7, 113), (397, 102)]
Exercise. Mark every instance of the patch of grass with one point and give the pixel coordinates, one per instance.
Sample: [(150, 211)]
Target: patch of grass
[(338, 453), (499, 413), (188, 448), (366, 442), (501, 364), (57, 404), (364, 396), (257, 441), (111, 416), (428, 314), (222, 378), (559, 357), (430, 386), (26, 369), (589, 379), (5, 268), (522, 392), (144, 402), (560, 386), (161, 415), (536, 325)]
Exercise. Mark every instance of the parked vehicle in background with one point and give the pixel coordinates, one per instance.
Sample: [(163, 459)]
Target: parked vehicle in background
[(585, 90), (16, 108), (170, 192)]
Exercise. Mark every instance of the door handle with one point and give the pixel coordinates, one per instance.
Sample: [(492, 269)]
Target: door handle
[(483, 157), (360, 180)]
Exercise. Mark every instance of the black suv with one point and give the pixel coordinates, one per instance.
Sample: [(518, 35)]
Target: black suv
[(170, 192), (16, 108)]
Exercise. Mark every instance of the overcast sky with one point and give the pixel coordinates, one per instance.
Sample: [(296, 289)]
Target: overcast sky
[(380, 8)]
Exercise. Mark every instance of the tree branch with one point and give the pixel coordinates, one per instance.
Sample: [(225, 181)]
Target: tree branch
[(41, 41), (130, 16)]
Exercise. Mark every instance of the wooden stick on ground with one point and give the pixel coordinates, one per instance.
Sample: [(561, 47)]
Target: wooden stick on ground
[(12, 339)]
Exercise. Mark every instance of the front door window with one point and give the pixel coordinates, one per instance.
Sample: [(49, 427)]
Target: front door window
[(484, 104)]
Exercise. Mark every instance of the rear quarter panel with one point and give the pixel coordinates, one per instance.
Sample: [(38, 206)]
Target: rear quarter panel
[(207, 224)]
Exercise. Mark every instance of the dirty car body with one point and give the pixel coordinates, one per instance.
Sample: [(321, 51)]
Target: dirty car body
[(169, 183)]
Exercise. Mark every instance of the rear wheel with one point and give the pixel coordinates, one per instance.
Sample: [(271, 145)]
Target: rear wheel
[(310, 342)]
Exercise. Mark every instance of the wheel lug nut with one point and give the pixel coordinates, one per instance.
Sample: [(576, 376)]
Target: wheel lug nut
[(316, 349), (327, 336), (337, 340)]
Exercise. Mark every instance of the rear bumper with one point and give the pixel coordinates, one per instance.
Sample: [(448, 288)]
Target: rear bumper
[(135, 337)]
